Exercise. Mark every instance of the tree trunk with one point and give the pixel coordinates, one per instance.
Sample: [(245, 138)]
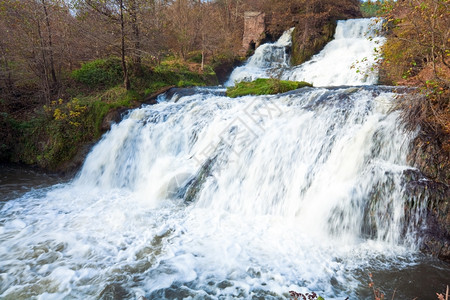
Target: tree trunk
[(50, 46), (44, 76), (136, 35), (7, 71), (203, 59), (126, 80)]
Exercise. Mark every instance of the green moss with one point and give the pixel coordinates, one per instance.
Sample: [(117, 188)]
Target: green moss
[(174, 74), (263, 86)]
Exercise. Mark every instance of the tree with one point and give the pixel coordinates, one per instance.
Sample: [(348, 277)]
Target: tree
[(33, 50), (126, 79), (420, 36), (417, 53), (133, 12), (50, 43), (114, 10)]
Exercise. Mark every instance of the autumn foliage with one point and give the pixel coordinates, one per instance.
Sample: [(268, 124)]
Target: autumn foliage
[(417, 54)]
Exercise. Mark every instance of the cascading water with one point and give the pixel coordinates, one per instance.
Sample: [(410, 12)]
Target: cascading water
[(347, 60), (269, 60), (209, 197)]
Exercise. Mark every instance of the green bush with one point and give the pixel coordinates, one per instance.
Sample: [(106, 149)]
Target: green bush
[(263, 86), (100, 72)]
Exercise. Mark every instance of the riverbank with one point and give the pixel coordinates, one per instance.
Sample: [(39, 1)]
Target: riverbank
[(416, 55), (56, 136)]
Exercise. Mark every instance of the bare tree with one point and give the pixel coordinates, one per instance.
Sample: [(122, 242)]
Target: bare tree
[(114, 10), (50, 44)]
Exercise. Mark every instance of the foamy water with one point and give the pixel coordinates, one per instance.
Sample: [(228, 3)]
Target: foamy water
[(207, 197), (282, 205)]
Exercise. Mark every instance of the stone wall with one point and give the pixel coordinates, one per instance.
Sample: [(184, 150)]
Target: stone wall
[(254, 28)]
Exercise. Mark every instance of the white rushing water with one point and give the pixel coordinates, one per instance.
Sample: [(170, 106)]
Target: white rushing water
[(349, 59), (268, 60), (284, 203), (216, 198)]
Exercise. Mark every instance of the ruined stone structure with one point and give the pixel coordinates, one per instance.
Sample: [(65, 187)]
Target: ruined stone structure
[(254, 27)]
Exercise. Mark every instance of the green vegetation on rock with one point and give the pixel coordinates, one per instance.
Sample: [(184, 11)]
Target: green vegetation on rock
[(262, 86), (416, 54), (54, 134)]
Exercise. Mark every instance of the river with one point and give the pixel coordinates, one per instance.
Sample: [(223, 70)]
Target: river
[(205, 197)]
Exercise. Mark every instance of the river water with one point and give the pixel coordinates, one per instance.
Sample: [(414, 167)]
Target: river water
[(205, 197)]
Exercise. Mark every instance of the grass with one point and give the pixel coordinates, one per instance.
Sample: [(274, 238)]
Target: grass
[(262, 86)]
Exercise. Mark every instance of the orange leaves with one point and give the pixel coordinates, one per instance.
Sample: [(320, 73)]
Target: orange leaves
[(378, 295), (441, 296)]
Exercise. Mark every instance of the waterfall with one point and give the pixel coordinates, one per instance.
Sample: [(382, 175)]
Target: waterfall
[(267, 61), (349, 59), (208, 197), (315, 154)]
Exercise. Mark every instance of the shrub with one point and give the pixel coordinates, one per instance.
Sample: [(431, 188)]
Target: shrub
[(66, 127), (100, 72)]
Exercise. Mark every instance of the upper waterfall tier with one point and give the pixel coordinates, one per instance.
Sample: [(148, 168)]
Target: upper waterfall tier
[(349, 59), (268, 60)]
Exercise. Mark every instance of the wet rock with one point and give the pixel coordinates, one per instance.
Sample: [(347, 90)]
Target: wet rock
[(224, 66), (151, 99), (113, 116), (114, 291), (303, 48), (429, 200), (179, 292), (174, 94), (431, 186), (436, 235), (426, 214), (197, 183), (69, 168), (312, 34), (428, 156), (224, 284), (259, 294)]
